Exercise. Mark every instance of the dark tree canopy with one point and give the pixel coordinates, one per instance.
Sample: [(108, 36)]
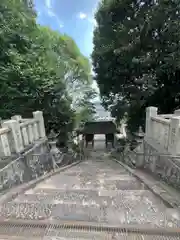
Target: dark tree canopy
[(136, 56)]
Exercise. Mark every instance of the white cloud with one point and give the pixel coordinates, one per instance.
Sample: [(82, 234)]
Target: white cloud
[(61, 25), (93, 21), (51, 13), (90, 17), (39, 13), (48, 3), (82, 15), (49, 8)]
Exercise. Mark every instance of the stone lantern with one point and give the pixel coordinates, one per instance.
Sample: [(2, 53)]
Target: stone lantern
[(138, 138), (139, 135), (52, 136), (55, 152)]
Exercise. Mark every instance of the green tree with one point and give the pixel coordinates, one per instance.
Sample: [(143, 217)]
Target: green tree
[(38, 67), (136, 56), (85, 108)]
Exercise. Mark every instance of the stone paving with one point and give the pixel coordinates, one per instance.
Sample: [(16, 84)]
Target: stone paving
[(96, 190)]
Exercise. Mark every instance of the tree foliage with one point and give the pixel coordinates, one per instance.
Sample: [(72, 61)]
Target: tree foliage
[(136, 56), (86, 108), (38, 66)]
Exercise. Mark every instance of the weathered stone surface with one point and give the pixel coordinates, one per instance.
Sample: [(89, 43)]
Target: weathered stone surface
[(28, 166), (38, 115), (15, 133), (96, 190), (159, 163)]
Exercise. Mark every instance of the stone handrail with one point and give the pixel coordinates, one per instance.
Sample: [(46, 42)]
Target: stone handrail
[(160, 128), (161, 120), (29, 165), (163, 165), (27, 122), (17, 134), (166, 116), (164, 129), (29, 131), (10, 172)]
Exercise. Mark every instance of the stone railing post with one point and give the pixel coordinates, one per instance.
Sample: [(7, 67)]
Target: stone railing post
[(174, 136), (177, 112), (25, 135), (15, 133), (4, 143), (30, 133), (16, 117), (38, 116), (150, 112), (35, 131)]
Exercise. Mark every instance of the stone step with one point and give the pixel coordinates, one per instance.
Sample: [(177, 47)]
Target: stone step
[(65, 234), (118, 213), (108, 183), (77, 235), (86, 196)]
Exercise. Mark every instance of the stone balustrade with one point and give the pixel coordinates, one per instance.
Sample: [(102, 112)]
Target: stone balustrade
[(159, 151), (18, 133), (29, 165), (164, 130)]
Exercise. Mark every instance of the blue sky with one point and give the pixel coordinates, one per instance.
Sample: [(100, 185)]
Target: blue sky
[(73, 17)]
